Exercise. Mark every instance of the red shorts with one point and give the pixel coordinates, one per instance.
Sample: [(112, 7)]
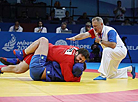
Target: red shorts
[(28, 58)]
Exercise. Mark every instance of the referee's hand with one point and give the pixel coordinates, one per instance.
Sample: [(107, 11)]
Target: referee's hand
[(97, 39), (72, 38)]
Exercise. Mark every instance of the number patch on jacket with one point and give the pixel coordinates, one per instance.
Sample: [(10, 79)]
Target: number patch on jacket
[(70, 51)]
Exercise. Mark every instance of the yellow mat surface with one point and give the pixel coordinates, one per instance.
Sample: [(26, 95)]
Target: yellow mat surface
[(23, 85)]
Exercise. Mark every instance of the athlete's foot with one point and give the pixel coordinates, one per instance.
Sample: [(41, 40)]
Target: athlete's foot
[(19, 54), (100, 78), (133, 72), (0, 68), (9, 61)]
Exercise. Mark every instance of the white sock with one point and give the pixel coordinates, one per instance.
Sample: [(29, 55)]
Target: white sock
[(102, 75), (129, 69)]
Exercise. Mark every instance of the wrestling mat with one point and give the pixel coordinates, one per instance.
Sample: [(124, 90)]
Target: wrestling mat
[(21, 88)]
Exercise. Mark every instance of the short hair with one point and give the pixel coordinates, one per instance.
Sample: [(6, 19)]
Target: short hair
[(38, 23), (84, 53), (119, 1), (64, 23), (16, 21), (88, 24), (99, 19)]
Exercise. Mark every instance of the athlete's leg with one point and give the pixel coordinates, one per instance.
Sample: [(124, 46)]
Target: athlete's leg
[(42, 48), (19, 68), (43, 77), (39, 46), (38, 61)]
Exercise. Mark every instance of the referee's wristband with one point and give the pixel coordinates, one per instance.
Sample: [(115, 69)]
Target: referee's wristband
[(100, 42)]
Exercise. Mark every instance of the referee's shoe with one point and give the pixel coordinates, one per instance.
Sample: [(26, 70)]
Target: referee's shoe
[(133, 72)]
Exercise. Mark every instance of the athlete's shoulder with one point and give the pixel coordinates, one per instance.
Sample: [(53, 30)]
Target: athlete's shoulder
[(12, 27), (82, 27), (58, 27), (20, 27)]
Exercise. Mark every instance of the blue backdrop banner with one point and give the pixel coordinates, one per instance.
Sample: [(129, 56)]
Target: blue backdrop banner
[(14, 40)]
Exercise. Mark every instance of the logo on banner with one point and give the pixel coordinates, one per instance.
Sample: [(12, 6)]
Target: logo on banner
[(134, 48), (72, 43), (61, 42), (76, 43), (9, 46), (23, 44)]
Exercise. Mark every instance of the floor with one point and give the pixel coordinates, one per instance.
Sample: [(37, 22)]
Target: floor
[(21, 88)]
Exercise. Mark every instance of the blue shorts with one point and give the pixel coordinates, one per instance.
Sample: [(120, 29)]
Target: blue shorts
[(37, 66)]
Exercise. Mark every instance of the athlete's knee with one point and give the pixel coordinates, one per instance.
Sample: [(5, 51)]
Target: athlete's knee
[(43, 39)]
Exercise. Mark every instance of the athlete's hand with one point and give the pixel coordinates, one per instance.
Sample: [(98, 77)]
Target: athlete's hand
[(72, 38)]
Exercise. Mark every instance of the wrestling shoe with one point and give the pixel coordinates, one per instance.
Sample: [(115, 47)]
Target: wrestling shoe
[(19, 54), (9, 61), (99, 78), (133, 72)]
